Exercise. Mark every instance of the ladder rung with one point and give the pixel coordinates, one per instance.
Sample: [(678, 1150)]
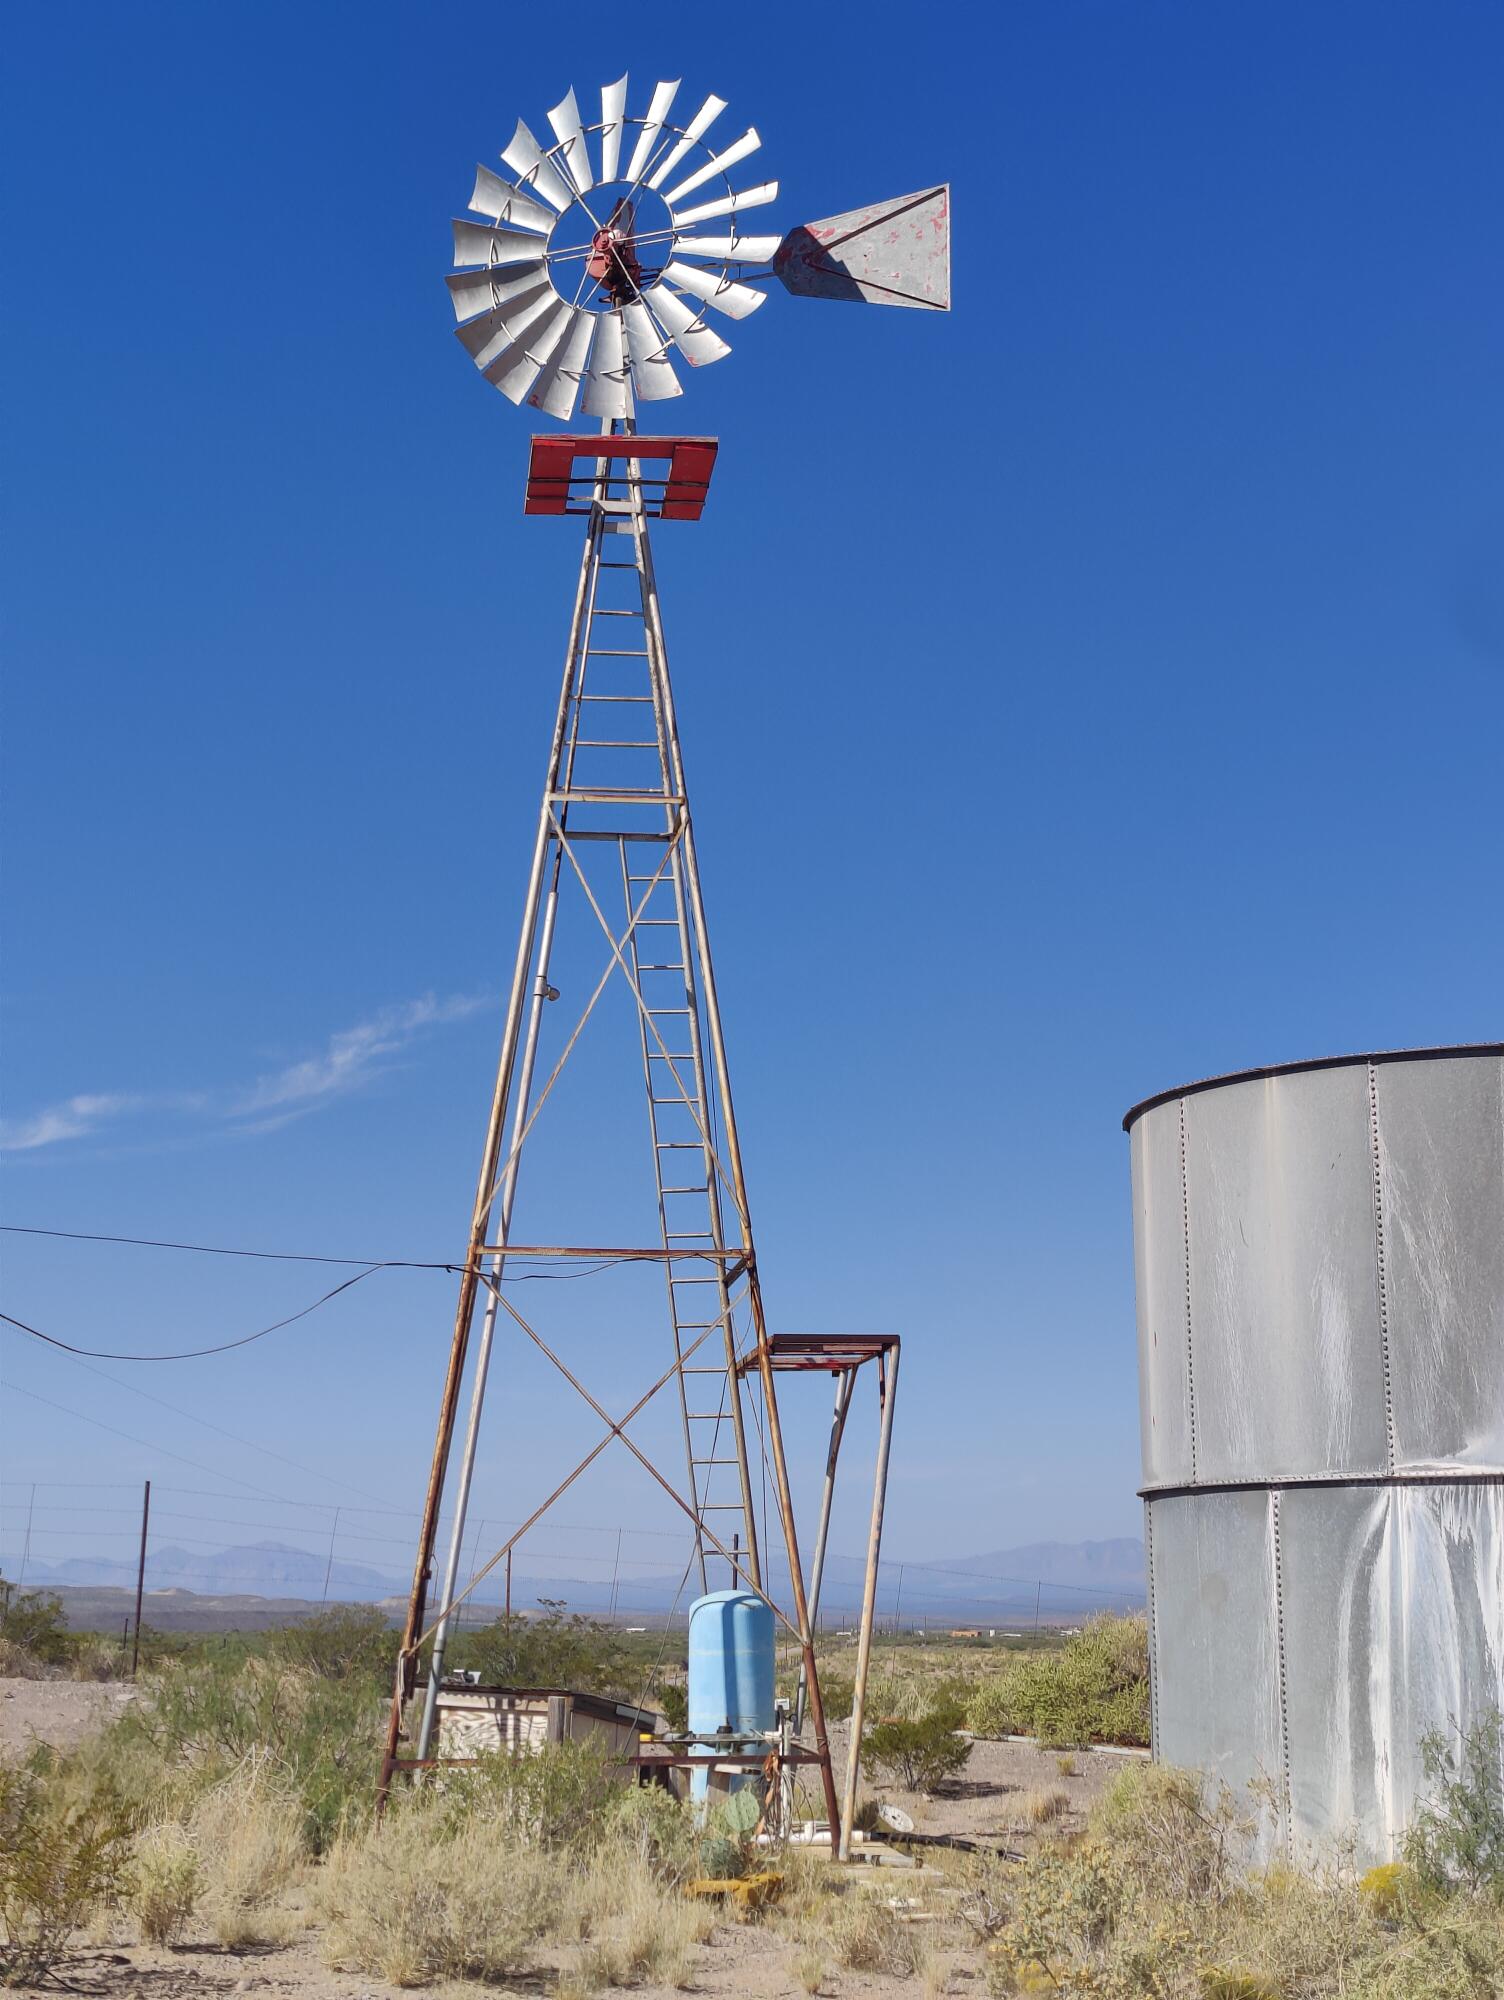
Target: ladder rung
[(721, 1507), (701, 1281), (616, 652), (612, 743), (673, 924), (675, 1055), (679, 1145), (709, 1462), (647, 701), (615, 565), (612, 613), (660, 968), (701, 1189)]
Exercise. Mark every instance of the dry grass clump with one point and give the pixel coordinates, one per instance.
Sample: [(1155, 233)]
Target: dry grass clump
[(468, 1882), (413, 1908), (1039, 1808), (809, 1969), (165, 1882), (647, 1932), (19, 1663), (867, 1935), (1067, 1766), (249, 1838)]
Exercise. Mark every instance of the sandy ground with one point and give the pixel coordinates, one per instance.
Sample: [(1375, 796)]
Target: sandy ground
[(61, 1713), (987, 1803)]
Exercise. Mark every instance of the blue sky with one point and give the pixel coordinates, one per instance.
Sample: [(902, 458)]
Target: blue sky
[(1095, 689)]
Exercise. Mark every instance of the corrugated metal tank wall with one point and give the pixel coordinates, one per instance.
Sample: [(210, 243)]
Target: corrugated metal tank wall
[(1320, 1272)]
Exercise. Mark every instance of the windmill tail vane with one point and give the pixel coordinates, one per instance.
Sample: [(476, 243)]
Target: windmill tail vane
[(589, 276)]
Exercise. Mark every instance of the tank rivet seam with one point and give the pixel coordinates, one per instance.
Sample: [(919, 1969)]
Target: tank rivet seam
[(1378, 1230), (1190, 1359), (1284, 1686)]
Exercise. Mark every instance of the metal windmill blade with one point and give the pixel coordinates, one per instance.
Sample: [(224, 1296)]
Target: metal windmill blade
[(589, 285)]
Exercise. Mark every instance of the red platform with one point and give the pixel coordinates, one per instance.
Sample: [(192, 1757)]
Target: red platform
[(677, 493)]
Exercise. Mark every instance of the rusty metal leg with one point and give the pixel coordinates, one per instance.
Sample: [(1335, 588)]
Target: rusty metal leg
[(887, 1379)]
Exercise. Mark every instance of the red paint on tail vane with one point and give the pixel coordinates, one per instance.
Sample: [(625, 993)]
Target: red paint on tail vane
[(676, 493), (891, 253)]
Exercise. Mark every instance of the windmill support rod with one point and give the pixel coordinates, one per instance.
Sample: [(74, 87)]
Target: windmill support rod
[(888, 1388), (484, 1200), (845, 1383), (488, 1322)]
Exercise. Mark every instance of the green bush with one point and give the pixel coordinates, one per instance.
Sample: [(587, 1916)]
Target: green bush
[(199, 1721), (34, 1621), (1457, 1838), (560, 1649), (1094, 1690), (673, 1698), (918, 1754), (57, 1866), (559, 1795), (351, 1642)]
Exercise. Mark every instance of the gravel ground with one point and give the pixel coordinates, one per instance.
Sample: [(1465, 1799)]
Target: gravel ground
[(61, 1713)]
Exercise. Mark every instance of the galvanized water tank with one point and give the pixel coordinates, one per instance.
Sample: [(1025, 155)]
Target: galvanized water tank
[(731, 1654), (1320, 1270)]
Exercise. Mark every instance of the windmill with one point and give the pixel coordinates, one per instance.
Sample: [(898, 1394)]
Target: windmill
[(597, 266)]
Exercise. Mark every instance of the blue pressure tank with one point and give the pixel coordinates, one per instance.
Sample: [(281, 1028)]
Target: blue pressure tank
[(730, 1669)]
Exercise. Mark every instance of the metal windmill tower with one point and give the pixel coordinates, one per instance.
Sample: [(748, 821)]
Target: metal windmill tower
[(589, 275)]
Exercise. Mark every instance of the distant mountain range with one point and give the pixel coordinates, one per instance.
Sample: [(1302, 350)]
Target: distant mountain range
[(1057, 1578)]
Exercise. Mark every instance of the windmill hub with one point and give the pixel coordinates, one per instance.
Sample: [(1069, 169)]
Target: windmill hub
[(625, 255)]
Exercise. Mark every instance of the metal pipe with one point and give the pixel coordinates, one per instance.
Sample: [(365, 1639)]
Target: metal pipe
[(887, 1382), (845, 1383), (541, 991), (141, 1577)]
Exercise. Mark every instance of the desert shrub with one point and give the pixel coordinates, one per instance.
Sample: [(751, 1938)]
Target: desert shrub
[(164, 1883), (838, 1693), (349, 1642), (1094, 1689), (560, 1795), (58, 1865), (1458, 1833), (559, 1649), (898, 1697), (919, 1755), (1176, 1833), (33, 1620), (413, 1903), (202, 1720), (96, 1659), (16, 1664), (1158, 1900), (656, 1830), (673, 1699)]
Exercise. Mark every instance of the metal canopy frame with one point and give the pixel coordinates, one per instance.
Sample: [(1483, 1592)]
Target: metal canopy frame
[(660, 948)]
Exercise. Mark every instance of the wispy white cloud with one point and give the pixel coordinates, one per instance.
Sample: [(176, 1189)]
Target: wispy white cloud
[(74, 1118), (349, 1060)]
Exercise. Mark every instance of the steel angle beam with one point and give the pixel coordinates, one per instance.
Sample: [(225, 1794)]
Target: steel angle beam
[(892, 253)]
